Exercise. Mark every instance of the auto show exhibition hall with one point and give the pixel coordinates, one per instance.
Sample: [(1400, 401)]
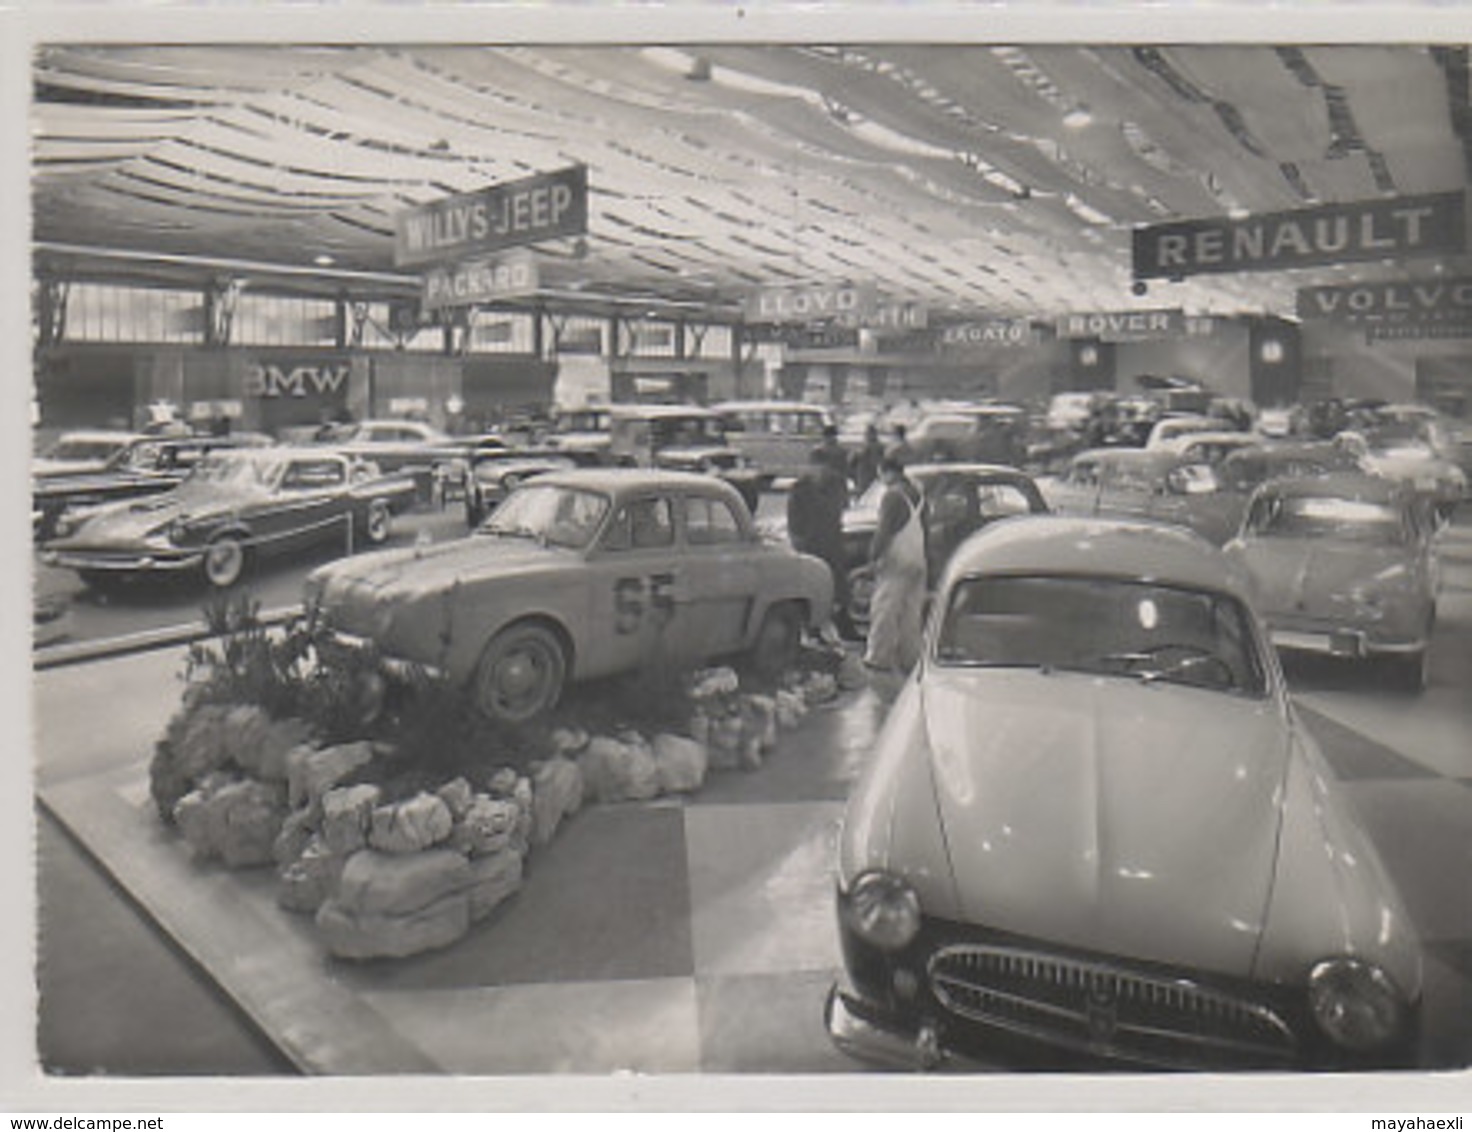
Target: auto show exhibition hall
[(751, 559)]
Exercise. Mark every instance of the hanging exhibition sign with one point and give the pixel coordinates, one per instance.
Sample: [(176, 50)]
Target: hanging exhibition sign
[(1416, 300), (1433, 224), (888, 317), (506, 277), (1123, 326), (544, 207), (1012, 332), (850, 303)]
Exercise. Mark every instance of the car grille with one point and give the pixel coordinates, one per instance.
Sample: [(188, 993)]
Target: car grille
[(1106, 1010)]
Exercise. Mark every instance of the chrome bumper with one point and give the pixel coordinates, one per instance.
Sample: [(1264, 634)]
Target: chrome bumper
[(123, 563), (393, 666), (1340, 642), (890, 1047)]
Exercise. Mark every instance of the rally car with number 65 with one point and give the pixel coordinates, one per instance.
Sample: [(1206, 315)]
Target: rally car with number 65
[(580, 574)]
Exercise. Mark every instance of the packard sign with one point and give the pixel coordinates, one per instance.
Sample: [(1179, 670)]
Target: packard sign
[(544, 207), (486, 281), (1401, 227), (1124, 326), (850, 305)]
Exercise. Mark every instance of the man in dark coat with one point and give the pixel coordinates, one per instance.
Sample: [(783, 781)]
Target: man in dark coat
[(815, 507)]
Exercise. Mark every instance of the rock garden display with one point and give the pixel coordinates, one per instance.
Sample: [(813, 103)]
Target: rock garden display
[(394, 815)]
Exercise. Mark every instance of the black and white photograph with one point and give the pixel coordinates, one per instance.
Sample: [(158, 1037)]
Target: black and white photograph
[(830, 558)]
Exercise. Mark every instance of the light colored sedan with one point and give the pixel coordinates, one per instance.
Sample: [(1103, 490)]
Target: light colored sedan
[(1344, 564), (580, 574), (1093, 830)]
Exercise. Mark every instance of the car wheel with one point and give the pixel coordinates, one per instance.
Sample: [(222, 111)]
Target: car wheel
[(860, 597), (520, 674), (379, 524), (224, 561), (776, 642)]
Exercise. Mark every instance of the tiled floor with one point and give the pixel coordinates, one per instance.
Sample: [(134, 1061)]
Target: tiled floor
[(692, 937)]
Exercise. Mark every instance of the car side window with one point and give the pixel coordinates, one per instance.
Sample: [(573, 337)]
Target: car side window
[(710, 522), (641, 524), (305, 475)]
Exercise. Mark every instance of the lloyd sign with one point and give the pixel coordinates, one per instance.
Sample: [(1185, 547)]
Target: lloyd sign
[(849, 304), (1434, 224), (483, 282), (544, 207)]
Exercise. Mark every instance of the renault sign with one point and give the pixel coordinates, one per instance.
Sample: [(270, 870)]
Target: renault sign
[(1397, 228)]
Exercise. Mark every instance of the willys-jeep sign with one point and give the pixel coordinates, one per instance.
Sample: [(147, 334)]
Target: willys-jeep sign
[(544, 207)]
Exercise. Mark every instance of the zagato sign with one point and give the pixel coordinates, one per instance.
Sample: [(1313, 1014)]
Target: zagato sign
[(1398, 228), (544, 207)]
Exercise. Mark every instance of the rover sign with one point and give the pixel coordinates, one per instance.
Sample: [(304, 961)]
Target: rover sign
[(1397, 228)]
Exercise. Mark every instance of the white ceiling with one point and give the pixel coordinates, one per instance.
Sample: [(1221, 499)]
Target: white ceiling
[(971, 179)]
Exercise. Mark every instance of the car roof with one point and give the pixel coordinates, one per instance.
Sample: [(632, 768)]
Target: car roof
[(625, 481), (1340, 485), (1098, 547), (1000, 471), (121, 436), (658, 412), (1138, 456), (771, 406)]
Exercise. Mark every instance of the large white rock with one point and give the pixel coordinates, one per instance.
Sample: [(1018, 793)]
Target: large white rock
[(311, 772), (492, 879), (346, 813), (237, 822), (487, 827), (568, 740), (399, 883), (761, 716), (681, 763), (374, 936), (297, 831), (457, 795), (618, 772), (557, 793), (411, 825), (714, 682), (304, 884), (200, 741), (727, 742)]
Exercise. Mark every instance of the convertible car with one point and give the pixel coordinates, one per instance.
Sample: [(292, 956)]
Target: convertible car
[(1344, 564), (234, 509), (579, 574), (1094, 832)]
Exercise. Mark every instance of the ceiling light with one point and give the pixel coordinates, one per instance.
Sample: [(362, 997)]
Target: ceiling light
[(1079, 117), (323, 260)]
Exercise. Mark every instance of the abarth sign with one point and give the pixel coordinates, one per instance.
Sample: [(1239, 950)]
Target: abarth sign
[(1433, 224), (544, 207)]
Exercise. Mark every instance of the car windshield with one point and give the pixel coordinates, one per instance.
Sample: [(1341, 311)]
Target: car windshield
[(550, 514), (1103, 626), (234, 468), (1355, 520), (586, 420)]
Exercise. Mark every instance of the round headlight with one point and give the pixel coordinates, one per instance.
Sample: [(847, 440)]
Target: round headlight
[(884, 910), (1356, 1004)]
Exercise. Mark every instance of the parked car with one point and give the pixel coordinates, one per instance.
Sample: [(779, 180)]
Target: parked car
[(1419, 453), (80, 452), (413, 448), (234, 509), (774, 436), (959, 499), (146, 465), (1143, 483), (583, 430), (1210, 448), (495, 475), (994, 434), (1166, 431), (1248, 468), (1095, 831), (580, 574), (1344, 564), (682, 438)]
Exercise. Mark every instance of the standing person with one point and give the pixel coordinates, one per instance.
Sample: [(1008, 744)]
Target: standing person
[(831, 454), (815, 508), (865, 464), (901, 450), (897, 558)]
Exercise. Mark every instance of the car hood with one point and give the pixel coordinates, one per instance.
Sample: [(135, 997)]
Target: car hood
[(1105, 813), (189, 501), (44, 466), (1291, 574), (412, 572)]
